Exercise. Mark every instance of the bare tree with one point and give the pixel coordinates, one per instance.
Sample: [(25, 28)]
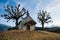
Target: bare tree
[(14, 13), (44, 17)]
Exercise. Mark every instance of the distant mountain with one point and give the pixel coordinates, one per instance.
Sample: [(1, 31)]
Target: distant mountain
[(38, 28), (55, 29), (4, 27)]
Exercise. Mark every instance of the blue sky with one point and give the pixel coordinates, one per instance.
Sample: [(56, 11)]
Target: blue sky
[(33, 6)]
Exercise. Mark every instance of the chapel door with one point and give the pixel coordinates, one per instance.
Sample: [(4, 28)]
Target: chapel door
[(28, 27)]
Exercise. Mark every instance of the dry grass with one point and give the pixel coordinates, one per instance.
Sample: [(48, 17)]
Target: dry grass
[(28, 35)]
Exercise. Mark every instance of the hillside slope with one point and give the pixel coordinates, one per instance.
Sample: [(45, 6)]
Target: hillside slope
[(28, 35)]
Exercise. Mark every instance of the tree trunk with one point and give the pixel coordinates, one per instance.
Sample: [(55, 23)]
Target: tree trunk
[(16, 24), (42, 26)]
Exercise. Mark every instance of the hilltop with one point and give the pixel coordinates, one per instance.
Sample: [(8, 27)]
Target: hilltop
[(28, 35)]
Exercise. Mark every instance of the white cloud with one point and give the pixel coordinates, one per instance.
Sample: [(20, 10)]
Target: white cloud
[(41, 5), (54, 9), (4, 21), (38, 7), (53, 6), (18, 2)]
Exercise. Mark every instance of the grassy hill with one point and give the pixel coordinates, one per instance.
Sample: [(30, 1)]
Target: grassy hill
[(28, 35)]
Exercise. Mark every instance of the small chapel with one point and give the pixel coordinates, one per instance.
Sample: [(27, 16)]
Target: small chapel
[(27, 23)]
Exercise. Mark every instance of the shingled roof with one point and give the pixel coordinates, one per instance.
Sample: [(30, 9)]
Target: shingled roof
[(27, 20)]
